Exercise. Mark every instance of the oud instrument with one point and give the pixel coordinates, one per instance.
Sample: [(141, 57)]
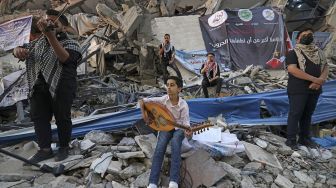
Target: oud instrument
[(163, 120)]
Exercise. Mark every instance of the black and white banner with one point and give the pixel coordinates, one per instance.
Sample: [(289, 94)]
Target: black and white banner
[(241, 37)]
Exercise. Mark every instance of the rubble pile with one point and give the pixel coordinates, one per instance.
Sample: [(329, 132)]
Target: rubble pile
[(124, 159)]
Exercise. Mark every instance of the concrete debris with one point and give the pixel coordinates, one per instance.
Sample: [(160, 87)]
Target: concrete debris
[(147, 143), (246, 182), (232, 173), (283, 182), (303, 177), (255, 153), (127, 141), (127, 155), (211, 172), (126, 162), (135, 169), (101, 164), (99, 137)]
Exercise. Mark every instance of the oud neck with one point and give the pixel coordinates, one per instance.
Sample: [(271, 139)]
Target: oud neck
[(181, 126)]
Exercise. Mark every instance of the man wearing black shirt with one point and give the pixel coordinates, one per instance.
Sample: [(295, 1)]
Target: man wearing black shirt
[(167, 55), (51, 62), (211, 75), (307, 72)]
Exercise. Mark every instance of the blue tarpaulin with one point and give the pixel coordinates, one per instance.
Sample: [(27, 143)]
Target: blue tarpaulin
[(245, 109), (242, 110), (326, 142)]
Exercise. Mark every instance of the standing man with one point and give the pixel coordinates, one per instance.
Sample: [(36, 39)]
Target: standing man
[(180, 110), (307, 71), (167, 57), (211, 75), (51, 63)]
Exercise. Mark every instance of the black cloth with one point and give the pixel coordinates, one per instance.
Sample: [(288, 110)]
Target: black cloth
[(43, 106), (297, 85), (301, 109)]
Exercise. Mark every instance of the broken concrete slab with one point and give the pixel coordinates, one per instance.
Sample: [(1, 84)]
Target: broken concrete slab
[(224, 183), (253, 166), (86, 145), (68, 162), (232, 173), (212, 6), (118, 185), (285, 150), (61, 181), (234, 160), (127, 141), (134, 169), (261, 143), (163, 9), (99, 137), (127, 155), (303, 177), (142, 180), (123, 148), (255, 153), (211, 172), (13, 177), (268, 178), (131, 20), (283, 182), (101, 164), (246, 182), (108, 15), (147, 143), (22, 183), (114, 167)]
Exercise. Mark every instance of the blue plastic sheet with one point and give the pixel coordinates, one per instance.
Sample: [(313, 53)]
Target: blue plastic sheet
[(243, 110), (326, 142)]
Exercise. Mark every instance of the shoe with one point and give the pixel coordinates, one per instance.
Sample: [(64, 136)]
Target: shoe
[(292, 144), (173, 184), (41, 155), (63, 153), (308, 143), (151, 185)]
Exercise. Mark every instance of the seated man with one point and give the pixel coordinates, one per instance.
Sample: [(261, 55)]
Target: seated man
[(211, 75), (179, 109)]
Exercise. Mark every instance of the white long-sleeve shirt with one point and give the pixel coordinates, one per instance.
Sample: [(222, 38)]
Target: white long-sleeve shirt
[(179, 111)]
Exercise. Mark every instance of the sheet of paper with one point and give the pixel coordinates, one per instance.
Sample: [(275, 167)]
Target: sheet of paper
[(211, 135)]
